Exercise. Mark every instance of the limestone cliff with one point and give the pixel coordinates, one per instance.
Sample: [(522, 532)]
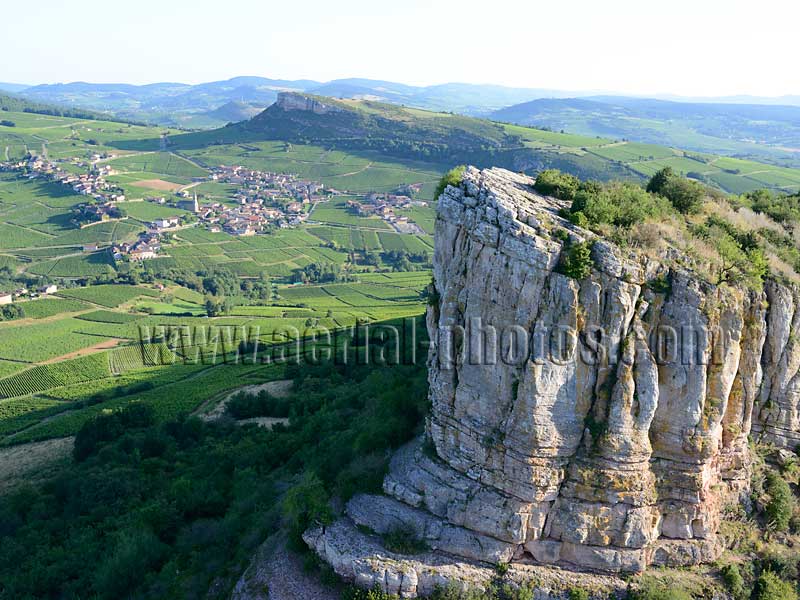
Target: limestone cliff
[(598, 424), (289, 101)]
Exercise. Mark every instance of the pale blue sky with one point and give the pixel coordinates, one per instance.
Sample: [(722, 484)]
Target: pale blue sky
[(688, 47)]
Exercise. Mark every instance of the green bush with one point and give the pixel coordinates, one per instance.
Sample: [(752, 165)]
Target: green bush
[(783, 209), (263, 404), (553, 182), (403, 540), (576, 261), (734, 581), (771, 587), (306, 504), (354, 593), (653, 590), (109, 427), (684, 194), (452, 177), (742, 258), (618, 203), (659, 180), (578, 594), (780, 507)]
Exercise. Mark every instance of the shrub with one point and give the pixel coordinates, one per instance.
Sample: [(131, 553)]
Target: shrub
[(263, 404), (659, 180), (685, 195), (652, 590), (403, 540), (107, 428), (452, 177), (660, 284), (354, 593), (576, 261), (780, 507), (771, 587), (306, 504), (552, 182), (618, 203), (578, 594), (734, 581)]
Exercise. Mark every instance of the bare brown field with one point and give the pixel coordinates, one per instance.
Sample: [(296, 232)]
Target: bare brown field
[(158, 184)]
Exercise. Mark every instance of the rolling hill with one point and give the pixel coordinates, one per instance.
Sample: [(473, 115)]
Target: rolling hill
[(756, 128), (12, 103), (178, 104), (763, 132), (445, 139)]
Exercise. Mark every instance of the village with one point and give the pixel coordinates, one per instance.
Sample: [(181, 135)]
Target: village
[(263, 201), (92, 183)]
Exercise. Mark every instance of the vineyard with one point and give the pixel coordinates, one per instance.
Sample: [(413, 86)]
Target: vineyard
[(110, 296), (139, 356), (48, 307), (45, 377)]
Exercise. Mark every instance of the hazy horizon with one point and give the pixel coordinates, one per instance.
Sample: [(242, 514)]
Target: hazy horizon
[(711, 49)]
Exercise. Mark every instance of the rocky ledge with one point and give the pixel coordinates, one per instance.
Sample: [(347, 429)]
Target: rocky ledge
[(598, 424)]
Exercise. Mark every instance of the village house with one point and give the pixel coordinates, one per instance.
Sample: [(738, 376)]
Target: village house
[(47, 289), (141, 252), (167, 223), (6, 298)]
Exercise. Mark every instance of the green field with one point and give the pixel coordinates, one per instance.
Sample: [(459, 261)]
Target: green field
[(108, 295), (340, 170)]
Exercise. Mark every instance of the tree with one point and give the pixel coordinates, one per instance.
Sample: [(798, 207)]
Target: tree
[(577, 261), (685, 195), (771, 587), (781, 502), (659, 180), (552, 182), (9, 312), (306, 504), (215, 306)]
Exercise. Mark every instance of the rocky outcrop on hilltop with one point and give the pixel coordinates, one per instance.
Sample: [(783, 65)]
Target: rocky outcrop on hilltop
[(596, 424), (289, 101)]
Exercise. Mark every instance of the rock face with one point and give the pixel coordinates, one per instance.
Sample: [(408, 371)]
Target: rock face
[(294, 101), (598, 424)]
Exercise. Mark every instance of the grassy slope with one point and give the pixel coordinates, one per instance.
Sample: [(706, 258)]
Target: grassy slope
[(364, 128)]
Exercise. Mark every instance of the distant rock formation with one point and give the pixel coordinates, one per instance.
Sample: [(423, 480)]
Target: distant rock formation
[(607, 426), (295, 101)]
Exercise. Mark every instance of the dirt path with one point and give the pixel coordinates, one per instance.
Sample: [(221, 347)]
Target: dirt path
[(104, 345), (190, 186), (27, 462), (361, 170), (277, 574), (280, 389)]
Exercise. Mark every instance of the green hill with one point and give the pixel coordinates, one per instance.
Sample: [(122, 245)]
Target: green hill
[(404, 133), (394, 131), (10, 103), (233, 112)]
